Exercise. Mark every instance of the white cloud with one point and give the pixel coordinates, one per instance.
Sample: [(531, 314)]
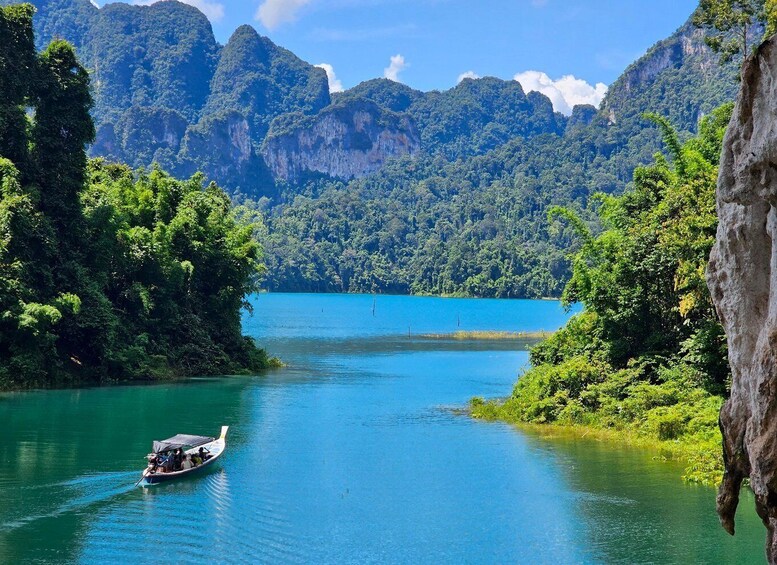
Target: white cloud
[(565, 93), (214, 11), (273, 13), (396, 66), (335, 85), (468, 74)]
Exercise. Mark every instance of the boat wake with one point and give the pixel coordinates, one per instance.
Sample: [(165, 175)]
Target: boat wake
[(74, 495)]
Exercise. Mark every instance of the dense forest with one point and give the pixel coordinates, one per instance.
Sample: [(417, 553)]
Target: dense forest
[(647, 356), (467, 215), (106, 274)]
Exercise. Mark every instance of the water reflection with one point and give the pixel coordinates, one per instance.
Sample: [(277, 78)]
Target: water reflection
[(631, 495)]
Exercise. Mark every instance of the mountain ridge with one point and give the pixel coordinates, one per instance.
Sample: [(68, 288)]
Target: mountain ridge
[(265, 126)]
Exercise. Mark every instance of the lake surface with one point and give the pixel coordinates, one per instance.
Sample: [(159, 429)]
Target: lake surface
[(351, 454)]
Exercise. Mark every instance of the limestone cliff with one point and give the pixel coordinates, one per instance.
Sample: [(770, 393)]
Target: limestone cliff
[(679, 66), (222, 146), (142, 136), (345, 141), (742, 277)]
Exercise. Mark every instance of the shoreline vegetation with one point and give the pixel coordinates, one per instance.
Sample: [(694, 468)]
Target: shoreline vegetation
[(107, 274), (645, 363), (701, 459)]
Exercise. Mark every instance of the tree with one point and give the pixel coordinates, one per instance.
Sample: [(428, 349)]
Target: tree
[(60, 132), (770, 13), (105, 272), (17, 61), (731, 24)]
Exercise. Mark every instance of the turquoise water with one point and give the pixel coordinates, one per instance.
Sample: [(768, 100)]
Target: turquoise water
[(354, 453)]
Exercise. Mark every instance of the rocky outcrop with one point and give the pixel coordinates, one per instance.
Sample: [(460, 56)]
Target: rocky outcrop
[(343, 141), (650, 83), (742, 278), (222, 146)]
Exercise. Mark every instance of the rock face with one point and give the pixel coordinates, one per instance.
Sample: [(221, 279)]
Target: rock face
[(742, 278), (343, 141), (263, 81), (651, 83)]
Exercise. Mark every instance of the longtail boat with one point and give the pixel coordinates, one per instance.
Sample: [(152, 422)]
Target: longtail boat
[(182, 455)]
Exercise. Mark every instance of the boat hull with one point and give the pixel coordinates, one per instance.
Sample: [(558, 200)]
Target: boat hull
[(157, 478)]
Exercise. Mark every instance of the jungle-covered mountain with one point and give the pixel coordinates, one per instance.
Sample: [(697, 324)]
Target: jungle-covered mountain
[(165, 91), (467, 215), (380, 188)]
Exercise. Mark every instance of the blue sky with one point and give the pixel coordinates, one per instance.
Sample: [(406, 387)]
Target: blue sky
[(434, 42)]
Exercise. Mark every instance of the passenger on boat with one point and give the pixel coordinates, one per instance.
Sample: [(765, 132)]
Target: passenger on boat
[(204, 456), (178, 459), (167, 462), (186, 463), (196, 459)]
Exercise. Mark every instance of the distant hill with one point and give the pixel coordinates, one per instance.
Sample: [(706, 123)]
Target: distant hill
[(467, 215), (380, 187), (469, 119)]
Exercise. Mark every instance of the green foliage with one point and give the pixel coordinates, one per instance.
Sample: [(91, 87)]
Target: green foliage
[(106, 273), (477, 225), (731, 20), (770, 15), (647, 355)]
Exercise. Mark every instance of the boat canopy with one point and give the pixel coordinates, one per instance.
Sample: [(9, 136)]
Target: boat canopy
[(181, 440)]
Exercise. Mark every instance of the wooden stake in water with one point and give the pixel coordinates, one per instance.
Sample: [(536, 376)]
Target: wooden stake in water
[(374, 300)]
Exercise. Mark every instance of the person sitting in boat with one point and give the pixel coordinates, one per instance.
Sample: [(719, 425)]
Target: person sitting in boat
[(203, 455), (186, 463), (178, 459), (196, 459), (153, 462)]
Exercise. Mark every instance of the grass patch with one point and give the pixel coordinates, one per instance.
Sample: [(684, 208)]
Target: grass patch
[(490, 335), (699, 451)]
